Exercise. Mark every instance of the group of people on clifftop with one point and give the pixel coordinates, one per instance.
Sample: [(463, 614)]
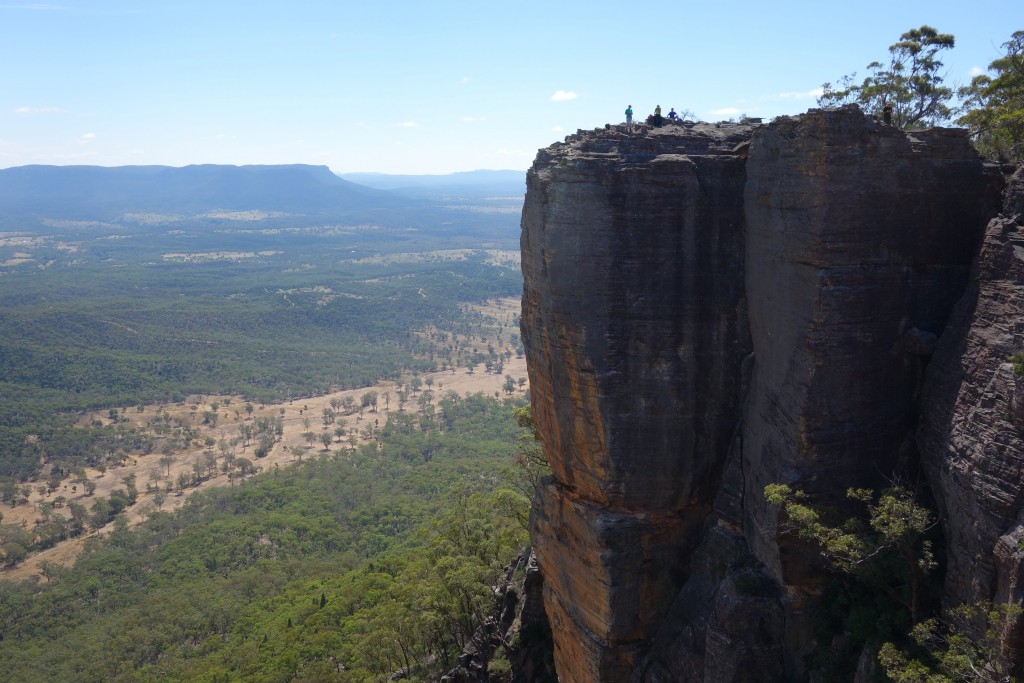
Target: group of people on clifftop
[(655, 120)]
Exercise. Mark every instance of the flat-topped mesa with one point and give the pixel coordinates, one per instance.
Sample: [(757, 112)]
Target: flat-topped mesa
[(699, 324), (634, 325)]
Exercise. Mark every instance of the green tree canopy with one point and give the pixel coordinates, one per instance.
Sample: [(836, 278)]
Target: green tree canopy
[(890, 552), (993, 104), (911, 82)]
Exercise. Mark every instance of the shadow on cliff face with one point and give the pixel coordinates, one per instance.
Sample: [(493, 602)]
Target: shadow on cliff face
[(971, 429), (704, 317)]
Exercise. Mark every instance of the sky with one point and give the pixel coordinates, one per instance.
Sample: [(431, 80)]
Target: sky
[(425, 86)]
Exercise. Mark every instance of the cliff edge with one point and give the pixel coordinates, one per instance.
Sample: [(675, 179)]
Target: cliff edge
[(710, 308)]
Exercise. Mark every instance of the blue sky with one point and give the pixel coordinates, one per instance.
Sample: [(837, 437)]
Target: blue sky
[(431, 86)]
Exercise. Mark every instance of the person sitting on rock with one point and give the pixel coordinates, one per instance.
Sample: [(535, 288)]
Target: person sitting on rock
[(656, 119), (673, 116)]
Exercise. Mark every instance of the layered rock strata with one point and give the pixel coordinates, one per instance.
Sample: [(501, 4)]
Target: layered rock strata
[(634, 322), (706, 310), (971, 434), (859, 243)]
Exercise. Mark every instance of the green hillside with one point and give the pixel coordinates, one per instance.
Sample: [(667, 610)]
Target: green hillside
[(344, 568)]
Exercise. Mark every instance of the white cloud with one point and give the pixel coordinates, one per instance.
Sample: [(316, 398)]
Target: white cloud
[(563, 96), (473, 119), (87, 138), (977, 71), (557, 129), (408, 124), (465, 80), (812, 94), (725, 111), (38, 110)]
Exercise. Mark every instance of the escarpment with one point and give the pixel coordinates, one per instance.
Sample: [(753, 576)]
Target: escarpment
[(970, 436), (708, 309), (634, 321)]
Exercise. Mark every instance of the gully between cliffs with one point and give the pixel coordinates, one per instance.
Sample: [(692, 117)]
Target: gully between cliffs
[(710, 308)]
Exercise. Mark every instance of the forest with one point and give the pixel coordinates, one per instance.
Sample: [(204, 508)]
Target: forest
[(92, 319), (346, 567), (127, 340)]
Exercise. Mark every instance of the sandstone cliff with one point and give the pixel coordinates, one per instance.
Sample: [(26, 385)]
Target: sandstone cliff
[(711, 308), (635, 326), (970, 435)]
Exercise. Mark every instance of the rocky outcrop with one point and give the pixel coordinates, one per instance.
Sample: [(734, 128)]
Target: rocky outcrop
[(857, 250), (708, 309), (517, 629), (971, 433), (634, 322)]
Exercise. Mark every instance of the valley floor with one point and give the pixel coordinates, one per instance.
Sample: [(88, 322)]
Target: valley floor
[(294, 414)]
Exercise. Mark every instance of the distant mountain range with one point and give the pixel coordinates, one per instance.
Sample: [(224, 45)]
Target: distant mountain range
[(478, 183), (31, 195)]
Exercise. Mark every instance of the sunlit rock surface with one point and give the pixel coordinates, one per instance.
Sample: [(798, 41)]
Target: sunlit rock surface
[(634, 322), (708, 309)]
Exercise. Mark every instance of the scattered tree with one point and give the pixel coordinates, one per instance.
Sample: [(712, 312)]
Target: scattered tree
[(896, 529), (911, 82), (993, 105), (947, 653)]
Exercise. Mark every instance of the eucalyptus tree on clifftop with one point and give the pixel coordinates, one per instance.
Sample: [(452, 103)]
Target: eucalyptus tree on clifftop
[(912, 82)]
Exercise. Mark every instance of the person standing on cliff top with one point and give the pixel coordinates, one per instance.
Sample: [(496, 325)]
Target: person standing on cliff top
[(887, 113), (629, 115)]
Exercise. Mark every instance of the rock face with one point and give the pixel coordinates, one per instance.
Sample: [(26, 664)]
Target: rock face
[(710, 309), (516, 628), (634, 323), (857, 250), (971, 435)]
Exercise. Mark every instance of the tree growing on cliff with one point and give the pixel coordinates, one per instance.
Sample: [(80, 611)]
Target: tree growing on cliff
[(911, 82), (893, 544), (946, 652), (890, 551), (993, 104), (529, 455)]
